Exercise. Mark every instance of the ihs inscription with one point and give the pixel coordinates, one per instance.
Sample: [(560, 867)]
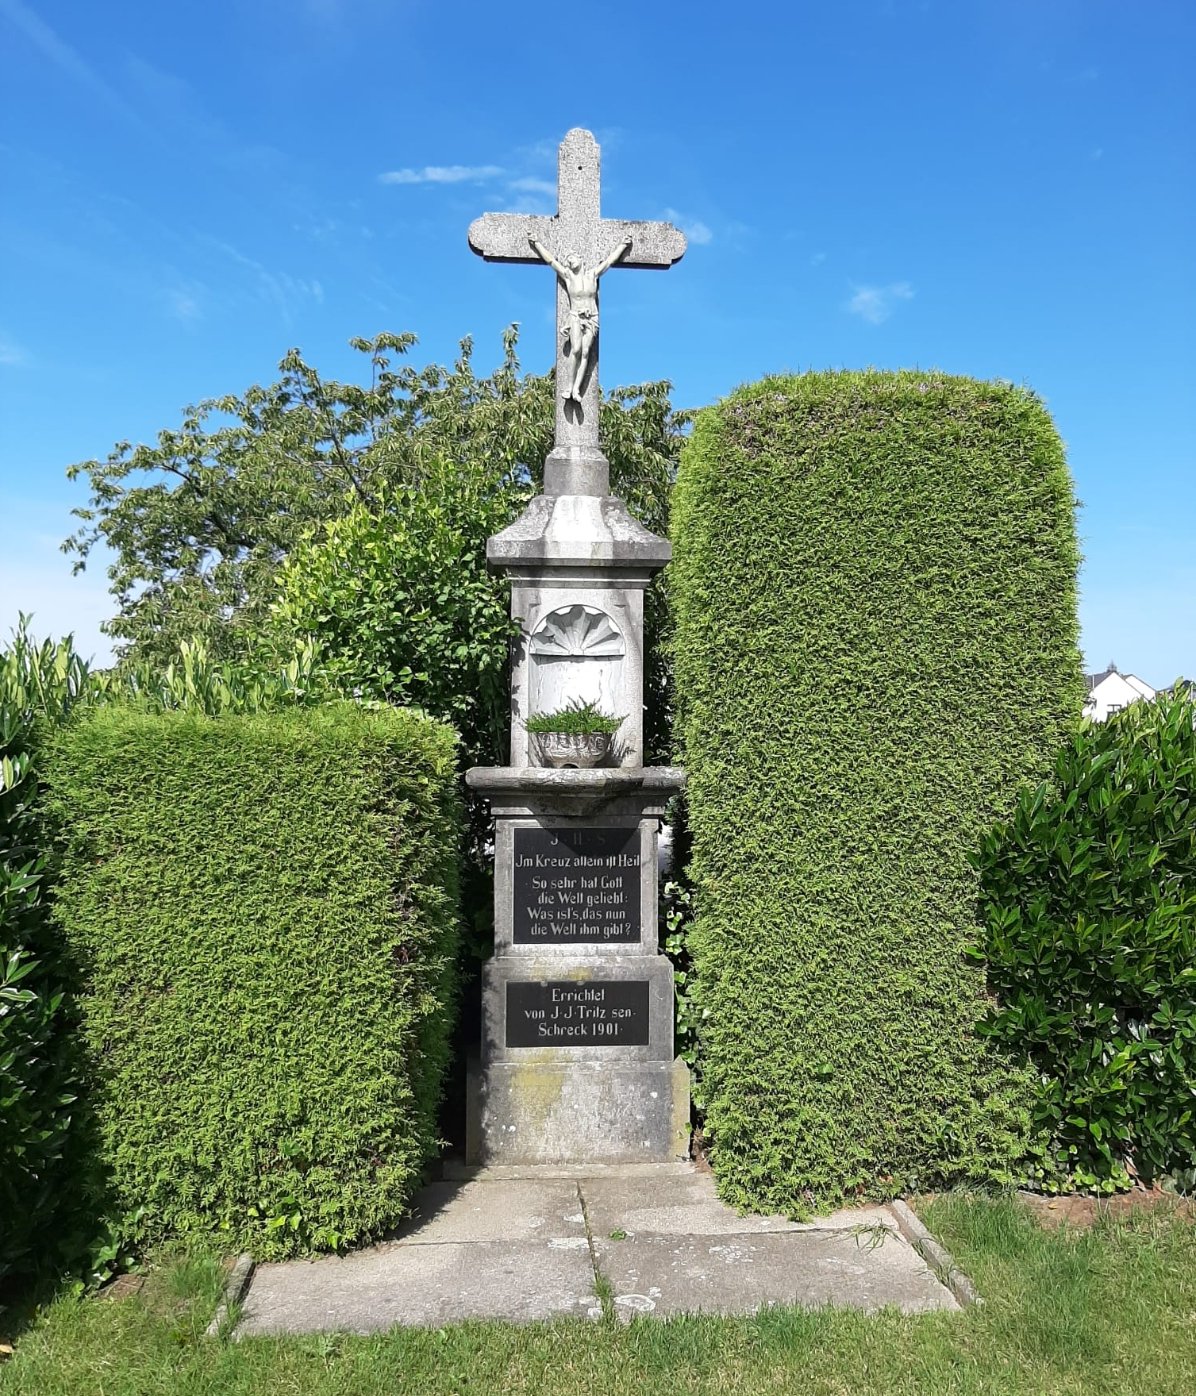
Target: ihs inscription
[(578, 886)]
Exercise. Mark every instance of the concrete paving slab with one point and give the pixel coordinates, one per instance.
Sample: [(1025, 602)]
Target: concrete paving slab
[(422, 1285), (513, 1244), (740, 1273), (685, 1203), (495, 1210)]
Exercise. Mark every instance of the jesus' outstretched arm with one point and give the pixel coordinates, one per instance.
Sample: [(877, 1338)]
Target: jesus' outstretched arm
[(609, 262), (543, 253)]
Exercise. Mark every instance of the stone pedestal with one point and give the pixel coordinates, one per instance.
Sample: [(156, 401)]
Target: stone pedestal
[(577, 1039)]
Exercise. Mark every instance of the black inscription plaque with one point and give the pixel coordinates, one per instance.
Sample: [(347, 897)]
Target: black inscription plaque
[(564, 1013), (576, 885)]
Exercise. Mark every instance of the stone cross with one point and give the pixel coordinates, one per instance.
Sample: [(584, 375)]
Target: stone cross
[(580, 245)]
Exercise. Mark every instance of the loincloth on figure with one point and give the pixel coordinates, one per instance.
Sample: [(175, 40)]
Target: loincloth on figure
[(577, 325)]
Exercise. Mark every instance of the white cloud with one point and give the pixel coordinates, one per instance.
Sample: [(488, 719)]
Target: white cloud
[(876, 303), (12, 355), (817, 259), (61, 54), (184, 304), (694, 229), (540, 151), (529, 184), (286, 292), (443, 174), (529, 203)]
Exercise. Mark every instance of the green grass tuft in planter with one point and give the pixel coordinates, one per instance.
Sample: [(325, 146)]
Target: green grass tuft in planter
[(574, 719), (579, 734)]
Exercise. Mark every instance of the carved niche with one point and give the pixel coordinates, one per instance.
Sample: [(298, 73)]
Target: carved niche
[(577, 655)]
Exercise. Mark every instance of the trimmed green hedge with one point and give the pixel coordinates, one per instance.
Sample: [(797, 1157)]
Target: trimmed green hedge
[(264, 909), (875, 594), (1089, 899)]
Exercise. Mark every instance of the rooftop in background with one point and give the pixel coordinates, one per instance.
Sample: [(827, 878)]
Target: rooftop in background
[(1110, 691)]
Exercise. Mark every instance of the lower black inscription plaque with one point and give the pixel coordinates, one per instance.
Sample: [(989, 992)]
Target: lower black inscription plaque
[(565, 1013), (579, 885)]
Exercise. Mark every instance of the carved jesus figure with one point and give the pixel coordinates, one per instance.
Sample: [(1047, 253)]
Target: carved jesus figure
[(581, 326)]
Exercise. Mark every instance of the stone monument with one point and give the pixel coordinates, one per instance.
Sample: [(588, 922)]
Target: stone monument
[(577, 1057)]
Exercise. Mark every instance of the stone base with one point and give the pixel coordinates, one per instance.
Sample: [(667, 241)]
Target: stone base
[(561, 1112)]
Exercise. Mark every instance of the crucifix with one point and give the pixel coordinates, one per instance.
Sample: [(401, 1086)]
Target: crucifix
[(577, 1061), (580, 246)]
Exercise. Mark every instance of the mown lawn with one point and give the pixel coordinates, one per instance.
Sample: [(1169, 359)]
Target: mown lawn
[(1111, 1310)]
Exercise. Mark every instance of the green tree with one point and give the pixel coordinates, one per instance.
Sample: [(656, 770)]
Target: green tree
[(202, 521), (397, 600)]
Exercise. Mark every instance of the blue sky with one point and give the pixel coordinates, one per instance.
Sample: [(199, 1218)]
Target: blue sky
[(997, 189)]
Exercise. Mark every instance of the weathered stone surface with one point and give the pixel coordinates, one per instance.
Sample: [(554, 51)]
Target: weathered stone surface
[(521, 790), (512, 1243), (735, 1273), (423, 1285), (554, 1111), (577, 530), (541, 1210), (685, 1204), (666, 1174)]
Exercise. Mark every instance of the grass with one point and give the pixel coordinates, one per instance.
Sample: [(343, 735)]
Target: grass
[(1106, 1312), (574, 719)]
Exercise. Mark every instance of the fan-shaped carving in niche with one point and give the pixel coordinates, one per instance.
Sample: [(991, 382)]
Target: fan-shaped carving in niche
[(577, 632)]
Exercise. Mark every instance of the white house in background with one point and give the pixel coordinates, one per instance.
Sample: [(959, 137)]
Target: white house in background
[(1111, 691)]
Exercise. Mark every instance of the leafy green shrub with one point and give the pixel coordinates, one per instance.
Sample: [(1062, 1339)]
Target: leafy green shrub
[(1089, 900), (192, 680), (398, 598), (875, 595), (264, 912), (39, 684)]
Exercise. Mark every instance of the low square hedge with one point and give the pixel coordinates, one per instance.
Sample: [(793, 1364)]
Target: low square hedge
[(264, 911)]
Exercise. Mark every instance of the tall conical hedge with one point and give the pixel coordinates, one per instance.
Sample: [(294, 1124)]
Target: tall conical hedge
[(875, 594)]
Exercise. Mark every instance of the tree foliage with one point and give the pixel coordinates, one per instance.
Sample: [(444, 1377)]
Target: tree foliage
[(398, 599), (39, 686), (202, 521)]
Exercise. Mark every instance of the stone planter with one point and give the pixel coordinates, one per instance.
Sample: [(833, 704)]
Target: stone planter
[(573, 748)]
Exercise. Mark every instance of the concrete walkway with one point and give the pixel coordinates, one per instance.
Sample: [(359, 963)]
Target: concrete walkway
[(538, 1243)]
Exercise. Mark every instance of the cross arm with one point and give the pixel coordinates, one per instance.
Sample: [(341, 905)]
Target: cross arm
[(504, 237), (653, 245)]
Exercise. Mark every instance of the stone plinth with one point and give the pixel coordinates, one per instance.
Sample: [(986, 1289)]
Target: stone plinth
[(559, 1113), (577, 1041)]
